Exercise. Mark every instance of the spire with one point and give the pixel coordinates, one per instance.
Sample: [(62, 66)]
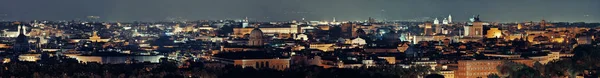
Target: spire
[(450, 18), (22, 30), (246, 19)]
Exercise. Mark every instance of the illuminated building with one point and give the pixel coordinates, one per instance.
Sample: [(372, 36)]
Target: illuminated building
[(96, 38), (15, 33), (245, 23), (438, 29), (436, 21), (301, 37), (254, 43), (513, 36), (494, 33), (428, 29), (476, 29), (402, 47), (254, 60), (431, 64), (388, 59), (29, 57), (447, 73), (322, 46), (417, 39), (445, 21), (482, 68), (584, 40), (293, 29), (555, 55), (358, 41)]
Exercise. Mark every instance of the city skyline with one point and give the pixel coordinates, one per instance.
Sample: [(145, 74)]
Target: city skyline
[(299, 38), (276, 10)]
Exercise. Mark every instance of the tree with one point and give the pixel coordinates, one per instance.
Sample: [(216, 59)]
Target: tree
[(493, 76), (517, 70), (586, 56), (538, 66)]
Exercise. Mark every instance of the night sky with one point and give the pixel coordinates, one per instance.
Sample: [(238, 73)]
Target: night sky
[(283, 10)]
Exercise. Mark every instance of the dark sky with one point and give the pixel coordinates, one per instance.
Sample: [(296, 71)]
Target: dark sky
[(283, 10)]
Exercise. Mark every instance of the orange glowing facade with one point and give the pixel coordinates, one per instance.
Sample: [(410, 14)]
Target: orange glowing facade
[(494, 33), (482, 68)]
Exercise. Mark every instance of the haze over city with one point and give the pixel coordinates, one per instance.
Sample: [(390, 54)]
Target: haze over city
[(280, 10)]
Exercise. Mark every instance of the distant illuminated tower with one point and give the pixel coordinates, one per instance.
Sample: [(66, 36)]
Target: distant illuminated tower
[(445, 21), (256, 37), (449, 18), (21, 42), (245, 23), (436, 21)]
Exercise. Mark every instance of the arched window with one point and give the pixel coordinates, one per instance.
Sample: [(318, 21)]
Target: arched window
[(267, 64), (256, 65)]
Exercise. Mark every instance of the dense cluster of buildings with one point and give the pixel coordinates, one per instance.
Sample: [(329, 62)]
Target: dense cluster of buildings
[(458, 49)]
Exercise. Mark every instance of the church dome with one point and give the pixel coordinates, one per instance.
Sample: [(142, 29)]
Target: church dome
[(256, 34), (256, 38)]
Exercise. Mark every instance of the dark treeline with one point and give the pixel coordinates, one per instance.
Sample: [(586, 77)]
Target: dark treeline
[(74, 69), (584, 63)]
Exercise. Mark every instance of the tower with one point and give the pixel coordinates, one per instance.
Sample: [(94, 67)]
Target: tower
[(334, 20), (245, 23), (449, 18)]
